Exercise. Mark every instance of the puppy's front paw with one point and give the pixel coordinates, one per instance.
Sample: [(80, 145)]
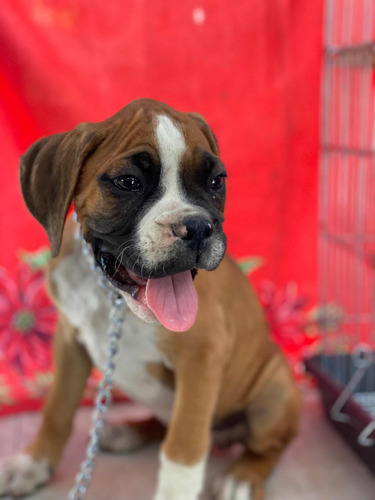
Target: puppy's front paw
[(179, 482), (229, 488), (120, 438), (21, 475)]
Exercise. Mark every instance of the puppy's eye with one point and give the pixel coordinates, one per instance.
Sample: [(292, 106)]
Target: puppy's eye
[(128, 183), (217, 183)]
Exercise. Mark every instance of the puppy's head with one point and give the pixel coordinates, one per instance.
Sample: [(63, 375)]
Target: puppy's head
[(149, 191)]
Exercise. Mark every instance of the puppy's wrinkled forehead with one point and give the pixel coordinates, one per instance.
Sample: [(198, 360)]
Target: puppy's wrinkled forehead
[(171, 137)]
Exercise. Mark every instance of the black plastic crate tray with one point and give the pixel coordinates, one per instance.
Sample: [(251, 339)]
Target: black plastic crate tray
[(333, 372)]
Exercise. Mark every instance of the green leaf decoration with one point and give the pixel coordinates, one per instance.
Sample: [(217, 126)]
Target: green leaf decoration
[(37, 260), (250, 264)]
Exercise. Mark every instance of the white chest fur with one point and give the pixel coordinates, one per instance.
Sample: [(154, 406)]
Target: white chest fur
[(87, 307)]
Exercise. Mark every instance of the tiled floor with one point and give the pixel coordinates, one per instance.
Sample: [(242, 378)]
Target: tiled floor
[(317, 466)]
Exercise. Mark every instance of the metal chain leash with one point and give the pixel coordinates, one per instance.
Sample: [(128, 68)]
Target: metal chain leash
[(103, 399)]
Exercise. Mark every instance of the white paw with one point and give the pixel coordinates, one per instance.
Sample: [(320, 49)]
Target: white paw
[(121, 438), (228, 488), (21, 475), (179, 482)]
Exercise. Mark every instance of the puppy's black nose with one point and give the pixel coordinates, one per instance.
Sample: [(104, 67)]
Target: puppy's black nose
[(194, 230)]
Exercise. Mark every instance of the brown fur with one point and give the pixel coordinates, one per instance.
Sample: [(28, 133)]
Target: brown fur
[(218, 370)]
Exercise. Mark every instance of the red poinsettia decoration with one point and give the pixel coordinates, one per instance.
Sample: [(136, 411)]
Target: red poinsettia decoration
[(27, 320), (289, 324)]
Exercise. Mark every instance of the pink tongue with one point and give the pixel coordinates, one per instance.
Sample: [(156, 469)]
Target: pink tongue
[(173, 300)]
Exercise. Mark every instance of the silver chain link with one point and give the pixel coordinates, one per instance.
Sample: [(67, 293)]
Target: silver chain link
[(103, 398)]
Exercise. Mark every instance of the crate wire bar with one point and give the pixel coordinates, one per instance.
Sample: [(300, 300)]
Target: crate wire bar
[(347, 220)]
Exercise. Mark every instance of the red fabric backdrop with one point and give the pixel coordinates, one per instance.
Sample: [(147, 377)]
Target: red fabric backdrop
[(250, 67)]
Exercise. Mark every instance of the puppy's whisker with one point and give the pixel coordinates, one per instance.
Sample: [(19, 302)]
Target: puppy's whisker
[(128, 243), (121, 254), (143, 265), (119, 259), (129, 259), (135, 263)]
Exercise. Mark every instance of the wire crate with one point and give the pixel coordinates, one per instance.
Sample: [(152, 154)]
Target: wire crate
[(345, 368)]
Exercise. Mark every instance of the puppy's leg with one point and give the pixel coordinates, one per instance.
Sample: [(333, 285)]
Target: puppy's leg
[(185, 449), (273, 417), (131, 436), (26, 471)]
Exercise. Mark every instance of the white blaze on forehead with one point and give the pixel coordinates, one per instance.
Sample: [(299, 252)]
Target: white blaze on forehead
[(155, 237), (172, 147)]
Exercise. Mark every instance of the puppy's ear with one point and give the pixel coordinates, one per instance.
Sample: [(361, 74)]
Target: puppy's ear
[(49, 173), (203, 125)]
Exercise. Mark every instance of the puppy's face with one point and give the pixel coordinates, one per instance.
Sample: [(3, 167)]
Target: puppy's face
[(150, 198)]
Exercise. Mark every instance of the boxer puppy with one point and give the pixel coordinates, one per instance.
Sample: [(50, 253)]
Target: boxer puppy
[(148, 187)]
